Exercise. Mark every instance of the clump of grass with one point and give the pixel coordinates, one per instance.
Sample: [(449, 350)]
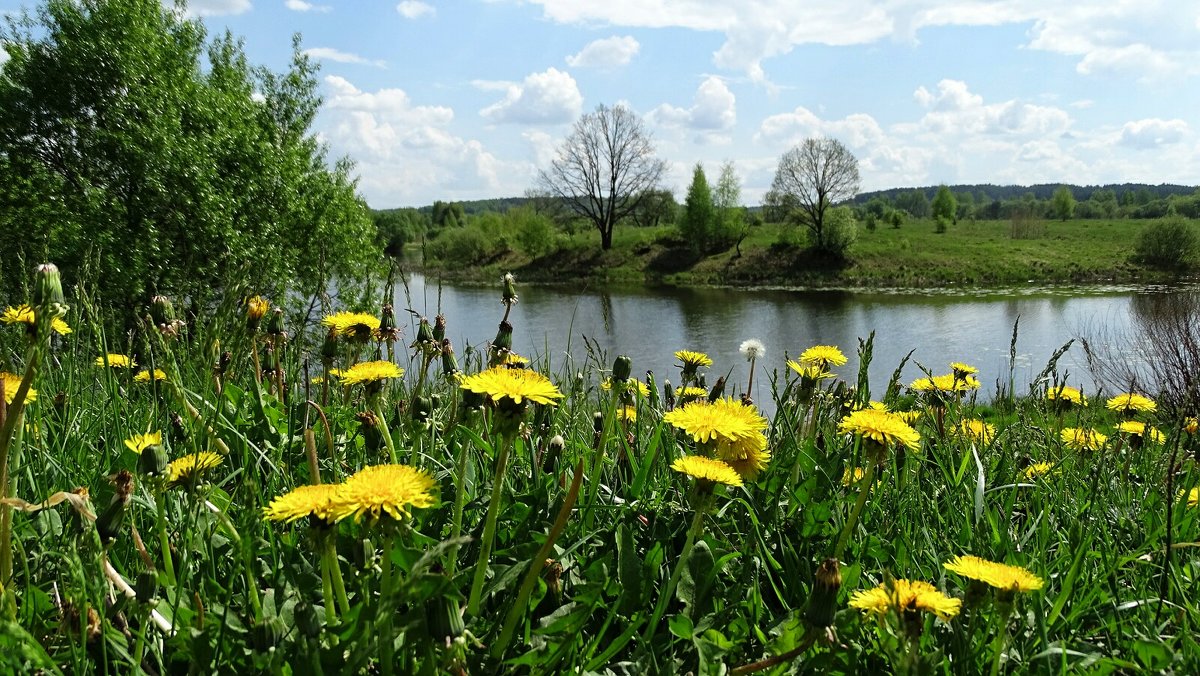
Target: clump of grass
[(400, 517)]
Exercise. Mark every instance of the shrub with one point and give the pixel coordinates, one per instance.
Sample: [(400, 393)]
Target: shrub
[(535, 233), (465, 245), (1167, 244)]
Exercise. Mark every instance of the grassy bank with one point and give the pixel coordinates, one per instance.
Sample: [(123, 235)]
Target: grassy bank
[(460, 530), (979, 253)]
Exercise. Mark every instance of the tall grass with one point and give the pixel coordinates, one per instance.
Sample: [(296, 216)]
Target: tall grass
[(590, 524)]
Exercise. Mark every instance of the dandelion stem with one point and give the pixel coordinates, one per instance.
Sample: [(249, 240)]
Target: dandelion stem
[(489, 526), (597, 472), (160, 503), (387, 638), (664, 598), (1001, 636), (851, 522), (387, 433), (460, 496)]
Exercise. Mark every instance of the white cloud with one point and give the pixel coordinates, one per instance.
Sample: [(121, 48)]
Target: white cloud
[(414, 9), (954, 109), (331, 54), (1156, 38), (605, 53), (302, 6), (406, 154), (549, 97), (787, 129), (3, 54), (217, 7), (714, 109), (1152, 133)]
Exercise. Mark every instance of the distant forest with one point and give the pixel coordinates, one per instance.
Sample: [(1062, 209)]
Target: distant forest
[(1142, 192)]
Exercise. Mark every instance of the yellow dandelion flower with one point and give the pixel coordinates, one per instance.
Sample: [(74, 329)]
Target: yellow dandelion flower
[(116, 361), (140, 442), (11, 383), (945, 383), (256, 308), (707, 469), (628, 413), (998, 575), (823, 355), (880, 426), (976, 430), (314, 501), (1063, 393), (383, 489), (1193, 497), (962, 370), (370, 372), (1141, 429), (723, 419), (685, 393), (144, 376), (359, 325), (1129, 403), (1082, 439), (1037, 469), (189, 467), (906, 596), (809, 371), (853, 476), (630, 384), (748, 456), (909, 417), (514, 359), (1191, 424), (516, 385), (693, 360), (23, 314)]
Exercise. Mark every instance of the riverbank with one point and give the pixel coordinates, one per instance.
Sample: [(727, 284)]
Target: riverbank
[(969, 254)]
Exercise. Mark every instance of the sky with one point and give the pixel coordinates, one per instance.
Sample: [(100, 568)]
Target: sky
[(468, 99)]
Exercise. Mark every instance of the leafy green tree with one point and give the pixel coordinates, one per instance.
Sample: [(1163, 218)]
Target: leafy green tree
[(914, 202), (1062, 203), (1168, 244), (658, 208), (944, 206), (699, 217), (121, 154), (727, 200)]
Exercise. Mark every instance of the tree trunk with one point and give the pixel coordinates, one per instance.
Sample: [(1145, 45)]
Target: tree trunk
[(606, 237)]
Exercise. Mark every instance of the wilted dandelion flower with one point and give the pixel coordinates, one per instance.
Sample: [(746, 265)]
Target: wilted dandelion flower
[(144, 376), (354, 325), (723, 419), (140, 442), (1191, 425), (752, 349), (1131, 404), (11, 383), (881, 427), (998, 575), (383, 489), (116, 361), (314, 501), (906, 596), (1140, 429), (187, 468), (516, 385), (1082, 439), (1037, 469), (693, 360), (977, 430), (23, 314), (823, 355), (707, 469), (1065, 394), (369, 372)]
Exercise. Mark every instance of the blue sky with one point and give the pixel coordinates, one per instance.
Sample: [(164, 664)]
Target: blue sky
[(467, 99)]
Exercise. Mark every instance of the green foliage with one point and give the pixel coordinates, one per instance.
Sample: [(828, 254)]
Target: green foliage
[(122, 155), (535, 233), (397, 227), (944, 206), (841, 231), (1168, 244), (1062, 204), (915, 202), (699, 219)]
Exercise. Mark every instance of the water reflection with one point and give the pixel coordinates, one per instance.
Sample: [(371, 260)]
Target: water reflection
[(649, 324)]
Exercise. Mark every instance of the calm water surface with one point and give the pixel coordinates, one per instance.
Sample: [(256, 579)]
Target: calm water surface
[(649, 324)]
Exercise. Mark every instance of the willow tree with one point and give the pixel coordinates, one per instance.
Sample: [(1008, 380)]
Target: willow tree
[(605, 169)]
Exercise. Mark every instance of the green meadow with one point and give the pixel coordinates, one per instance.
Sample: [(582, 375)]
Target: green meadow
[(230, 493)]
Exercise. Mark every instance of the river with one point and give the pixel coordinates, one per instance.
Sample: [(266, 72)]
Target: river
[(650, 323)]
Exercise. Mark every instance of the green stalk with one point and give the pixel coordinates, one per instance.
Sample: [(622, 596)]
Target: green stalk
[(387, 638), (12, 418), (327, 589), (489, 527), (335, 576), (387, 433), (460, 499), (867, 481), (1001, 636), (247, 560), (598, 466), (705, 498)]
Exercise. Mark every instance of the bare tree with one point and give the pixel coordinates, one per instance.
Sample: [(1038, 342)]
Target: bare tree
[(812, 178), (604, 169)]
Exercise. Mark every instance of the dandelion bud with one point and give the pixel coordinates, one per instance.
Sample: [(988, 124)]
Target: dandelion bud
[(717, 390), (275, 324), (153, 460), (162, 311), (422, 408), (577, 383), (449, 361), (268, 633), (553, 452), (502, 344), (110, 521), (668, 395), (822, 602), (622, 367), (369, 427), (439, 328), (650, 385), (47, 288), (444, 617), (146, 586), (424, 333), (256, 309), (329, 348), (473, 401), (510, 289)]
